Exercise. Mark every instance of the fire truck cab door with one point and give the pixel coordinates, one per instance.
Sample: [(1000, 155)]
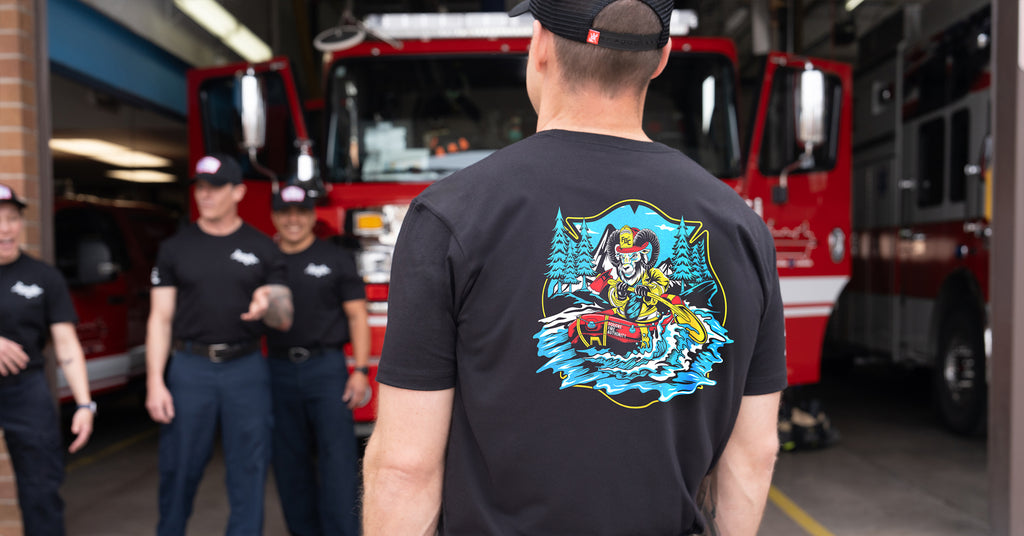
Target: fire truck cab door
[(214, 126), (811, 220)]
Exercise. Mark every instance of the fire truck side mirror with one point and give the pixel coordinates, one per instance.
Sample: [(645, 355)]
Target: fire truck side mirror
[(254, 118), (811, 115), (95, 262)]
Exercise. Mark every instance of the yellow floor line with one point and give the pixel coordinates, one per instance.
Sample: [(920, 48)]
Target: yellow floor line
[(112, 449), (796, 513)]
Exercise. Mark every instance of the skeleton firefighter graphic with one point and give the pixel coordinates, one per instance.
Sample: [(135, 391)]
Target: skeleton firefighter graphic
[(635, 321)]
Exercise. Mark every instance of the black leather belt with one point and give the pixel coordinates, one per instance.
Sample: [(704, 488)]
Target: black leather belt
[(219, 352), (297, 354)]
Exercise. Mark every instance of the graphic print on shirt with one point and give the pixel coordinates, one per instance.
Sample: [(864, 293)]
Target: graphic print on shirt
[(27, 291), (317, 270), (244, 257), (631, 305)]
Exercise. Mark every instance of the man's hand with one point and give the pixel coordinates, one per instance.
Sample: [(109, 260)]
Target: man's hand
[(643, 291), (259, 304), (81, 426), (160, 403), (357, 390), (273, 305), (13, 358)]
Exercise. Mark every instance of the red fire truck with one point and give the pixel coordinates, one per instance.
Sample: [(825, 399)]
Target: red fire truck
[(411, 98), (921, 202), (105, 250)]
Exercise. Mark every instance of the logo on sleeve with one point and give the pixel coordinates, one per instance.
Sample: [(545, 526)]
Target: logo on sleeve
[(27, 291), (245, 258), (154, 276), (317, 270)]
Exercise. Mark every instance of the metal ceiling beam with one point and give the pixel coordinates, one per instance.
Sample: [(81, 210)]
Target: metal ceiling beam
[(159, 22)]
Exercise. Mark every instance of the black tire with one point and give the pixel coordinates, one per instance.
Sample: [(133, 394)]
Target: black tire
[(960, 385)]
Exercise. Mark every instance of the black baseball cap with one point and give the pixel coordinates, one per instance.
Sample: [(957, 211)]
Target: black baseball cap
[(8, 195), (574, 20), (218, 170), (292, 196)]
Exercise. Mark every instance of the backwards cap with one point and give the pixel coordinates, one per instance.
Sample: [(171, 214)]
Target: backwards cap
[(574, 20)]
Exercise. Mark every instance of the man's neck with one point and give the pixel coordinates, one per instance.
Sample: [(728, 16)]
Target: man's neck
[(220, 226), (11, 260), (594, 113), (299, 246)]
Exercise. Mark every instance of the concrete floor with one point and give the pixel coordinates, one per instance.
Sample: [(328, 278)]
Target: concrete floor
[(894, 472)]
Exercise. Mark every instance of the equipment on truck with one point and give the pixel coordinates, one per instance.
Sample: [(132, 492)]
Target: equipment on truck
[(417, 97), (922, 202)]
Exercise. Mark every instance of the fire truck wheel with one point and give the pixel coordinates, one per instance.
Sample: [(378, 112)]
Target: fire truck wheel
[(961, 390)]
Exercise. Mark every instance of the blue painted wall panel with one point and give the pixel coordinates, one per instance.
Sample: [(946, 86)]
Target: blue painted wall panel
[(83, 41)]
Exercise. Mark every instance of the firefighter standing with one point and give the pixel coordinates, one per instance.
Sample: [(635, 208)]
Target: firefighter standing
[(212, 283), (35, 304), (314, 454)]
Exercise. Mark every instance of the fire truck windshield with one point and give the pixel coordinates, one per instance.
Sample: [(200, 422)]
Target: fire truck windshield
[(417, 118)]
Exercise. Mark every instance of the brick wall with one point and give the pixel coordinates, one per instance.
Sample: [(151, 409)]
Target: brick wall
[(19, 167)]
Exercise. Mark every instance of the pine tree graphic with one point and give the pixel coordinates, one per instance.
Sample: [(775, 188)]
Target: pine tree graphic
[(681, 267), (584, 255), (561, 269)]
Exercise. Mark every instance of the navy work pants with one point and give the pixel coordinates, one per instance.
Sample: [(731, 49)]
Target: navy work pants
[(31, 427), (233, 397), (314, 446)]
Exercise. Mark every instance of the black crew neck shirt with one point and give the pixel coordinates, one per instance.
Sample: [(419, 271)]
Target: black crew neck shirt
[(33, 297), (321, 277), (215, 277), (578, 411)]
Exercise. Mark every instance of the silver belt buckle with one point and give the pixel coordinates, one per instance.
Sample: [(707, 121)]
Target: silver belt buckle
[(298, 354), (212, 352)]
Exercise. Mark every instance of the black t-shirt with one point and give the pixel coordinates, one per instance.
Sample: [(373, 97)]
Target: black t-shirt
[(215, 277), (599, 348), (33, 297), (321, 278)]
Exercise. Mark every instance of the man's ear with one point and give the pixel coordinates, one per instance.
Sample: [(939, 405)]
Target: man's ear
[(665, 51), (540, 46)]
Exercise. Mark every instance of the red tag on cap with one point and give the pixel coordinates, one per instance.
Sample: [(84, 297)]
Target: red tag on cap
[(593, 36)]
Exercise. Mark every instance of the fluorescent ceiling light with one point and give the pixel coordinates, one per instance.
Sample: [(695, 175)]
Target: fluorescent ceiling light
[(852, 4), (110, 153), (141, 175), (248, 46), (222, 24)]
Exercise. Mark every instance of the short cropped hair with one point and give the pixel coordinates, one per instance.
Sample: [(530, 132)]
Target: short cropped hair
[(614, 71)]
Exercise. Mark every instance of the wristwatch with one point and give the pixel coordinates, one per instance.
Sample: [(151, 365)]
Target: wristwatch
[(91, 406), (364, 370)]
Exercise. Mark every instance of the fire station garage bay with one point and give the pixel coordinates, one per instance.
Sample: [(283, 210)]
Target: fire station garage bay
[(878, 139)]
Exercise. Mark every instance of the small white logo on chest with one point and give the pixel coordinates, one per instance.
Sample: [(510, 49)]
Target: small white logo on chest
[(317, 270), (27, 291), (245, 258), (154, 276)]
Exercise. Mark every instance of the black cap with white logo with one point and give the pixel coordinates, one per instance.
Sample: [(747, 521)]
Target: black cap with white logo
[(218, 170), (7, 195), (292, 196)]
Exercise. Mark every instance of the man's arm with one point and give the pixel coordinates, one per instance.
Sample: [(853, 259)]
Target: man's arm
[(158, 347), (358, 385), (72, 362), (273, 305), (740, 481), (404, 463)]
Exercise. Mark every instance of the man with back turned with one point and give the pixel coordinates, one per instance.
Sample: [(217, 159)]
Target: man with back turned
[(584, 327)]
